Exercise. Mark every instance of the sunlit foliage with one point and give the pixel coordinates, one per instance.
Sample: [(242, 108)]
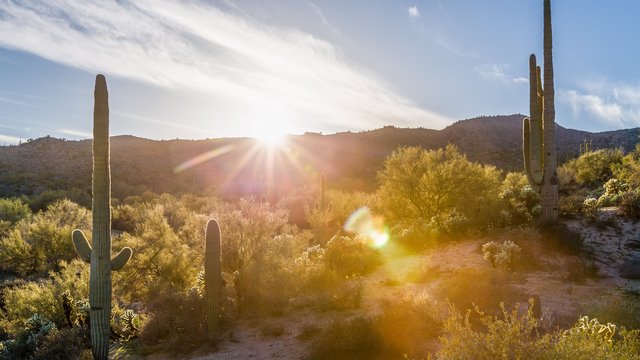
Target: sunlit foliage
[(437, 186)]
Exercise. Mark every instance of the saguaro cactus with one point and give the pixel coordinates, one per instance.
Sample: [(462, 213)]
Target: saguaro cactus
[(539, 132), (323, 192), (212, 278), (99, 256)]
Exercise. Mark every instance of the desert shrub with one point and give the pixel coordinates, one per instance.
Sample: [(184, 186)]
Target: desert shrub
[(629, 170), (567, 182), (34, 330), (560, 237), (36, 245), (297, 204), (351, 255), (352, 338), (418, 184), (503, 256), (64, 344), (512, 336), (326, 224), (521, 202), (43, 200), (589, 339), (177, 322), (623, 309), (483, 288), (507, 336), (580, 268), (323, 288), (630, 204), (13, 210), (161, 259), (571, 204), (418, 235), (595, 167), (267, 285), (406, 325), (248, 227), (45, 296)]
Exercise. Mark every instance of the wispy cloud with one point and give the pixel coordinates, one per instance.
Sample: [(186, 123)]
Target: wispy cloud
[(326, 22), (9, 140), (616, 105), (259, 72), (76, 133), (455, 49), (414, 12), (499, 72)]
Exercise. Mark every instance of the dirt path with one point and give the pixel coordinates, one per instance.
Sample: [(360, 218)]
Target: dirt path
[(405, 275)]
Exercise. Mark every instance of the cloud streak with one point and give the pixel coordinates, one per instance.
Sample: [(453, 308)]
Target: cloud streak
[(414, 12), (500, 73), (616, 105), (259, 72)]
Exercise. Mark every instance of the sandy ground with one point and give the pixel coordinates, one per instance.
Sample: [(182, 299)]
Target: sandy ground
[(562, 300)]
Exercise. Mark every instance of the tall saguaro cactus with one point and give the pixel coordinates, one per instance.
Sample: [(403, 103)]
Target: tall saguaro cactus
[(212, 278), (99, 255), (539, 132), (323, 192)]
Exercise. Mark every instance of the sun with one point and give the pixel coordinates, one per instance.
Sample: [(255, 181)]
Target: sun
[(274, 136)]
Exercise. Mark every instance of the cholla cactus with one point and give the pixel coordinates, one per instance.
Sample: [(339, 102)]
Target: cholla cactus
[(503, 255)]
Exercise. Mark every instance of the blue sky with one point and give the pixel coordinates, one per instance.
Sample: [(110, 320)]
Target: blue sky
[(205, 69)]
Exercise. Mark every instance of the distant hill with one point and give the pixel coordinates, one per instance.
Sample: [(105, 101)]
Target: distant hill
[(350, 160)]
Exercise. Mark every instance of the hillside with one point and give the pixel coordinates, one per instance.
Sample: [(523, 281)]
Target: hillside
[(243, 167)]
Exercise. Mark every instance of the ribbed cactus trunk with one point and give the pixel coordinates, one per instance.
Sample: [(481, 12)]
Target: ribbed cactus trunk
[(100, 273), (539, 132), (212, 279), (549, 191), (323, 192), (99, 255)]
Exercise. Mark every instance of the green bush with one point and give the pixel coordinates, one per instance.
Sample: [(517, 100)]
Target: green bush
[(435, 185), (630, 204), (351, 255), (45, 296), (591, 168), (36, 245), (161, 260), (512, 336), (177, 322), (12, 211)]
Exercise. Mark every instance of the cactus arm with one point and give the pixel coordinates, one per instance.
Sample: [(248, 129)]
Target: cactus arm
[(80, 243), (120, 260), (212, 278), (535, 125), (526, 154)]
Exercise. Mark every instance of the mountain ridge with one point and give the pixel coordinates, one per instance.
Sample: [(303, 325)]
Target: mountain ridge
[(350, 160)]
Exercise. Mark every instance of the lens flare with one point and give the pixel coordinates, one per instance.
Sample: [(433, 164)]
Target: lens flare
[(202, 158), (363, 222)]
